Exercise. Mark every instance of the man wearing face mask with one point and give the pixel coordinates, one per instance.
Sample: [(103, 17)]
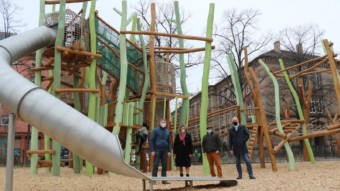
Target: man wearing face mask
[(211, 146), (238, 137), (160, 147)]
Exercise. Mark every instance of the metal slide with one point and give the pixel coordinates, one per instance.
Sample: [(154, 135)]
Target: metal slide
[(52, 116)]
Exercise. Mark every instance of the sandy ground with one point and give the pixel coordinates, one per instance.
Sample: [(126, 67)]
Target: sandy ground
[(323, 175)]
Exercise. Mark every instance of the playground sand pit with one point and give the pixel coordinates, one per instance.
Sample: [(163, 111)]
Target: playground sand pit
[(324, 175)]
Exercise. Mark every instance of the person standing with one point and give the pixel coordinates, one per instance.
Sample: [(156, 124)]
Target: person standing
[(160, 147), (211, 146), (183, 150), (238, 137), (141, 137)]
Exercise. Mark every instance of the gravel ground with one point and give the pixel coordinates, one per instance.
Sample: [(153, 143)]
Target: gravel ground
[(324, 175)]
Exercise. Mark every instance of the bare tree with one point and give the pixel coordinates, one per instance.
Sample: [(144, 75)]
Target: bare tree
[(236, 33), (10, 22), (304, 40), (165, 23)]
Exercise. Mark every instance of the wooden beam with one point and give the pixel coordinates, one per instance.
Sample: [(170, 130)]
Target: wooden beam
[(309, 69), (168, 35), (170, 95), (315, 134), (191, 50), (54, 2), (332, 127), (84, 53), (334, 70), (301, 64), (30, 152), (60, 90)]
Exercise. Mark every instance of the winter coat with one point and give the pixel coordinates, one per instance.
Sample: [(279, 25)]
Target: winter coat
[(238, 140), (211, 143), (182, 151), (160, 140)]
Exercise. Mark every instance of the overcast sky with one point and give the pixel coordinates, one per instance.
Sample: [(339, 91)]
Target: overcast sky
[(276, 15)]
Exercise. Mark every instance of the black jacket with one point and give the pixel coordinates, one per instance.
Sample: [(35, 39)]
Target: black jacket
[(211, 143), (238, 139), (180, 149)]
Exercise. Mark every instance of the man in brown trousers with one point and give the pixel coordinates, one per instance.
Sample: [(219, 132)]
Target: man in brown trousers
[(211, 146)]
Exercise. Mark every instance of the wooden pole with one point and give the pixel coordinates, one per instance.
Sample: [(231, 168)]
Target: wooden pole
[(334, 70), (152, 74)]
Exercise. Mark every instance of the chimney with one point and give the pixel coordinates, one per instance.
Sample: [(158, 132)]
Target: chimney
[(277, 46), (299, 49)]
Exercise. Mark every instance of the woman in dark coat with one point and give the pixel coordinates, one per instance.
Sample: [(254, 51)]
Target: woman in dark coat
[(183, 150)]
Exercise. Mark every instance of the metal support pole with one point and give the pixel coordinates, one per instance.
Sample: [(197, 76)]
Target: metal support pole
[(10, 153)]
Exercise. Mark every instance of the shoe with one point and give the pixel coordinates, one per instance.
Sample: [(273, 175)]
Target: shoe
[(181, 175), (239, 177), (220, 176), (187, 175), (252, 177), (165, 182)]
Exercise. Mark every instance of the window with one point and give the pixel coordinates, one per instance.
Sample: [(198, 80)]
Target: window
[(316, 105), (316, 79), (4, 120)]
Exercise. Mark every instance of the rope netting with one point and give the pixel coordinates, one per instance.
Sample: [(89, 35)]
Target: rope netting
[(165, 76), (76, 34), (108, 47)]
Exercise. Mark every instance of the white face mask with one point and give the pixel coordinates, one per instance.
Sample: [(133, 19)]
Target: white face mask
[(163, 125)]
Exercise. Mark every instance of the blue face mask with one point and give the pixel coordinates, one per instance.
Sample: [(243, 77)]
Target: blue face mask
[(209, 131)]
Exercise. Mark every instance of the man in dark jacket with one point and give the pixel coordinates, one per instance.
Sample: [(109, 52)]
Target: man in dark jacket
[(160, 147), (238, 137), (211, 146)]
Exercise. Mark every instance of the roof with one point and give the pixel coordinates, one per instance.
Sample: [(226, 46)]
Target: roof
[(283, 54), (3, 35)]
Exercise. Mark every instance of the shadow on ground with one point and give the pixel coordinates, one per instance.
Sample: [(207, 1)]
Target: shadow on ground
[(222, 184)]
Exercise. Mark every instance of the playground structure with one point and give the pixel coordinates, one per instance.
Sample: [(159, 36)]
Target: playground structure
[(290, 130), (72, 48), (95, 69)]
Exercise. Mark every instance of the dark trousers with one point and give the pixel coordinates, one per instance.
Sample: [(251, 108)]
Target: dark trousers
[(140, 139), (246, 160), (163, 157)]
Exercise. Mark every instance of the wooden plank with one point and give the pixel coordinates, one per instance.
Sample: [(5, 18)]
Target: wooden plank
[(30, 152), (151, 33), (54, 2), (84, 53)]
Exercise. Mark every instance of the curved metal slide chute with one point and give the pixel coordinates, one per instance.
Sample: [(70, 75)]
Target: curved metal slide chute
[(52, 116)]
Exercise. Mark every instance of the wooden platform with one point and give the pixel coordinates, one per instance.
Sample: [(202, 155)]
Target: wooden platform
[(188, 180)]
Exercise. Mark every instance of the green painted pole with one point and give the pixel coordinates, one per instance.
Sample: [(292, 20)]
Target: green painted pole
[(185, 103), (92, 76), (57, 80), (127, 150), (123, 71), (146, 80), (205, 84), (77, 106), (291, 160), (300, 112), (77, 165), (236, 83), (37, 80)]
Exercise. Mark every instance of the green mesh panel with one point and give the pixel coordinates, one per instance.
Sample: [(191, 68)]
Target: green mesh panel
[(111, 63)]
